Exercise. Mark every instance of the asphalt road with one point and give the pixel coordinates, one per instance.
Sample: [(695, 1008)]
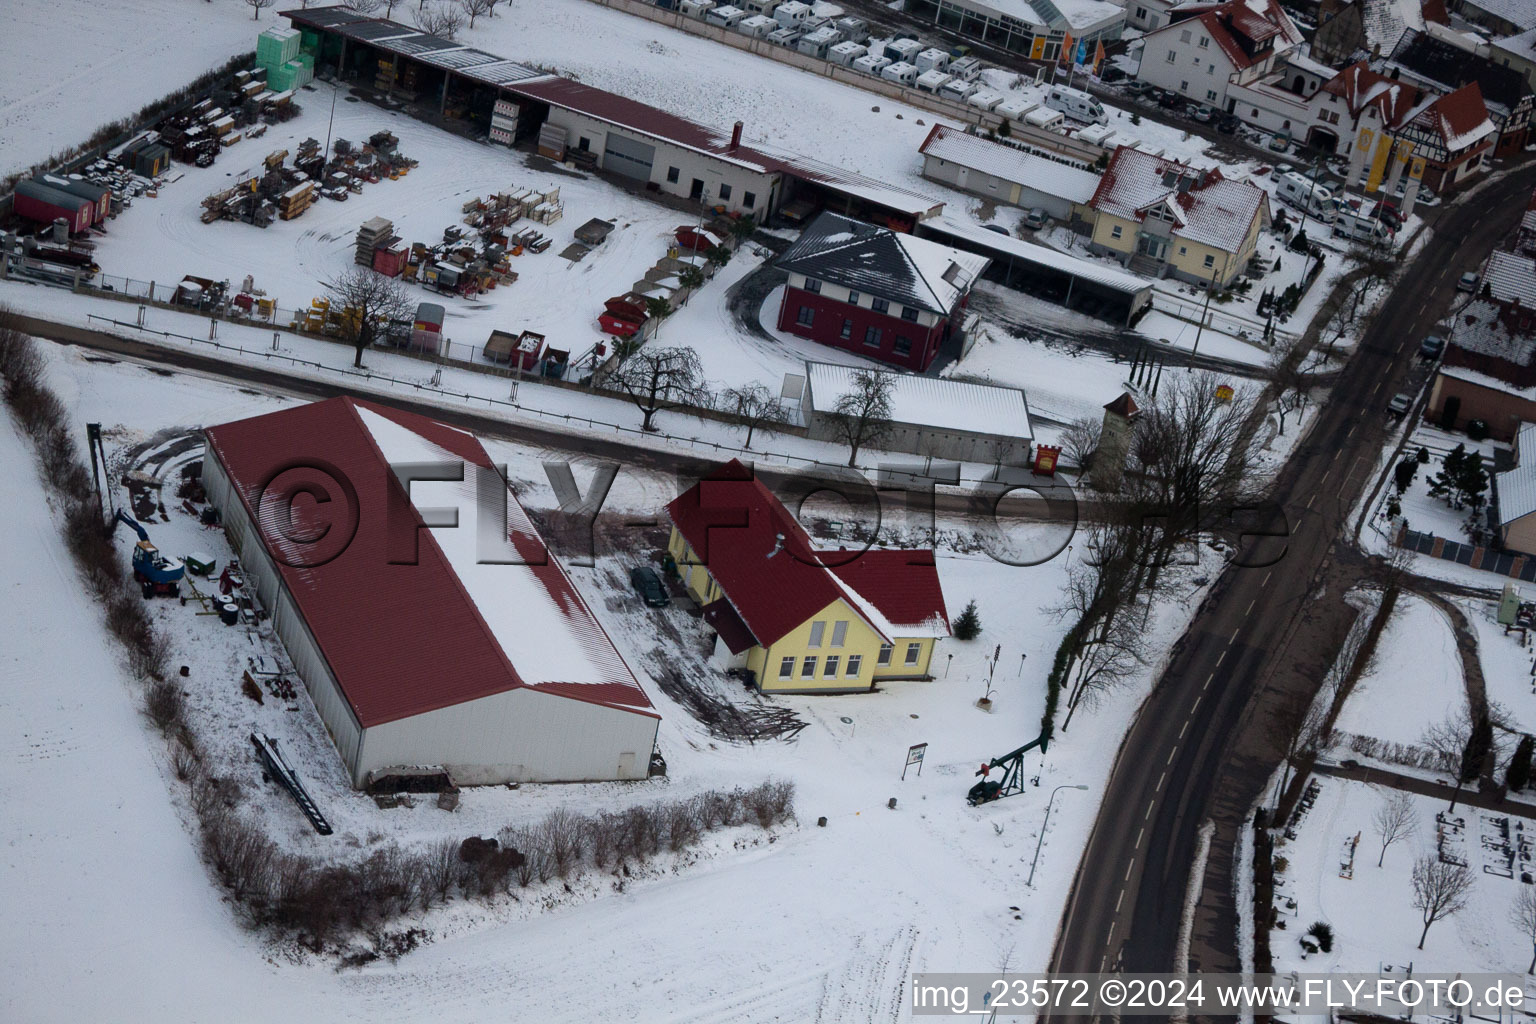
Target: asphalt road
[(1204, 744)]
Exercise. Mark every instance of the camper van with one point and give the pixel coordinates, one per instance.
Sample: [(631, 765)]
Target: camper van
[(931, 81), (725, 17), (900, 72), (967, 68), (1076, 104), (1365, 224), (696, 8), (1311, 199), (1013, 109), (871, 64), (932, 59), (757, 26), (846, 52), (958, 89), (903, 50), (984, 99), (854, 29), (1044, 117)]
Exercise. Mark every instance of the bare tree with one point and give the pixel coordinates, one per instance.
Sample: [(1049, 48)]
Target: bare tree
[(363, 6), (1439, 890), (367, 300), (1290, 380), (1394, 819), (474, 8), (862, 415), (440, 20), (1522, 914), (1301, 721), (1106, 662), (660, 379), (257, 6), (1080, 439), (757, 406)]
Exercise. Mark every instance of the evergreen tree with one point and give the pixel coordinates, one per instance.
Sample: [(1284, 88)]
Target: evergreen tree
[(968, 623), (1404, 474), (1518, 775), (1472, 482), (1443, 483)]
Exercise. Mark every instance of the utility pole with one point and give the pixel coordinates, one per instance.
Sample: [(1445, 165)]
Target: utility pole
[(1209, 288)]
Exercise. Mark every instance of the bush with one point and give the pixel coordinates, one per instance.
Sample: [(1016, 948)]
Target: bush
[(1280, 865), (1477, 430), (1323, 933), (1422, 456), (163, 703), (1518, 775), (1404, 473)]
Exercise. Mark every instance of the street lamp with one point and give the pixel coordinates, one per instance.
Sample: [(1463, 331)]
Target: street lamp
[(1039, 842)]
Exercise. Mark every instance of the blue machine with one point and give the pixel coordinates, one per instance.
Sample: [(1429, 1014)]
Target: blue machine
[(156, 573)]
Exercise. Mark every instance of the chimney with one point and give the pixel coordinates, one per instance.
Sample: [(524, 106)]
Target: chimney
[(736, 137)]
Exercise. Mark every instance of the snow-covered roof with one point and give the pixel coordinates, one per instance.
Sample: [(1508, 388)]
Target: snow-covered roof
[(1460, 118), (1516, 12), (1517, 487), (1303, 61), (1207, 207), (1512, 278), (935, 402), (1009, 164), (1257, 20), (1104, 274), (1076, 15), (1522, 45), (498, 621), (1359, 86), (878, 261), (1385, 21)]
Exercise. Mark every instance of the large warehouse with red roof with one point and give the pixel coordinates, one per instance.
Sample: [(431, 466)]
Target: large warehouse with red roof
[(467, 647)]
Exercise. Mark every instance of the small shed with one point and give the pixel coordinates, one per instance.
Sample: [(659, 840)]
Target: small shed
[(846, 52), (45, 204), (618, 326), (629, 306), (696, 239), (932, 59), (75, 185), (595, 231)]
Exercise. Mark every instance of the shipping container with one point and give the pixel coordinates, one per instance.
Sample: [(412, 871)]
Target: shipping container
[(99, 195)]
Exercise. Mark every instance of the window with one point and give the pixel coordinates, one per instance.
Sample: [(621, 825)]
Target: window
[(903, 346), (1170, 57), (839, 633), (786, 668), (1141, 12), (1184, 36), (1205, 42), (818, 630), (833, 663), (913, 650), (885, 655), (909, 314), (1210, 95), (1116, 231), (1184, 87), (813, 286), (1183, 250), (853, 297), (725, 191), (872, 337), (847, 331), (855, 664), (808, 668), (584, 144), (806, 316), (749, 199), (1210, 261), (672, 175)]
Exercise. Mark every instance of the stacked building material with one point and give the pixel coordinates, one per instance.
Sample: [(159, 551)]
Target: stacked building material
[(276, 47), (375, 234), (296, 200)]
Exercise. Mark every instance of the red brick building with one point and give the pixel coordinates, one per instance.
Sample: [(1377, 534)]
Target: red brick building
[(879, 293)]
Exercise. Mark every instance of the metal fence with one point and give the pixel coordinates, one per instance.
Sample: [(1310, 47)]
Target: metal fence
[(1474, 556)]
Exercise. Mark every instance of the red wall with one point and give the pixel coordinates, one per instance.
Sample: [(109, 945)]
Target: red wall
[(44, 212), (828, 325)]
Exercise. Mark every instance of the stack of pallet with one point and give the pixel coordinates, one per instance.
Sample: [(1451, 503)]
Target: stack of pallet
[(296, 200), (375, 234)]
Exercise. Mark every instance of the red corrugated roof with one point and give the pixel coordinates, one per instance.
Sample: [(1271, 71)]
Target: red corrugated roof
[(401, 639), (732, 521)]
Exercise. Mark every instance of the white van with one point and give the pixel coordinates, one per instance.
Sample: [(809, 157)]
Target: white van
[(1310, 198), (1363, 224), (1076, 104)]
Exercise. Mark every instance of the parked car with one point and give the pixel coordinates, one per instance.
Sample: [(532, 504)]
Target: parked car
[(1171, 101), (1280, 170), (1399, 406), (996, 227), (1111, 74), (1228, 124), (1431, 347), (1468, 282), (647, 583), (1280, 143), (1139, 90), (1204, 114), (1036, 219)]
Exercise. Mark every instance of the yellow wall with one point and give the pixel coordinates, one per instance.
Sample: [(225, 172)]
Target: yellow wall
[(1192, 262), (1103, 232), (861, 640)]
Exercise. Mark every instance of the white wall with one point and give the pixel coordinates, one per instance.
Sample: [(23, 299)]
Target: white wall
[(520, 735), (1272, 109), (287, 622), (689, 164), (1195, 70)]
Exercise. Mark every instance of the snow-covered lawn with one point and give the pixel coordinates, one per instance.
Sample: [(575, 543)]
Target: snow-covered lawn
[(1507, 659), (819, 923), (1374, 922), (1413, 681)]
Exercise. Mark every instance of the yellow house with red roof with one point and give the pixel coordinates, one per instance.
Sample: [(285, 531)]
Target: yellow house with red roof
[(799, 618)]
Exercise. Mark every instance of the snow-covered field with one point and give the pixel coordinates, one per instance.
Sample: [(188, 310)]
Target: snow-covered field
[(855, 907), (1413, 681), (1374, 923)]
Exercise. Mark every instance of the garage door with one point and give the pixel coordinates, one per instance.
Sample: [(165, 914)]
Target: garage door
[(629, 157)]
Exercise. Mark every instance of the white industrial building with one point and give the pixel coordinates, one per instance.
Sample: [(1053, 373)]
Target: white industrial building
[(1007, 174), (466, 648)]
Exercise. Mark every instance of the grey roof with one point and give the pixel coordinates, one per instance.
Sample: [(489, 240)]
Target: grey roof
[(1516, 12), (1517, 487), (1511, 276), (1439, 61), (879, 261)]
